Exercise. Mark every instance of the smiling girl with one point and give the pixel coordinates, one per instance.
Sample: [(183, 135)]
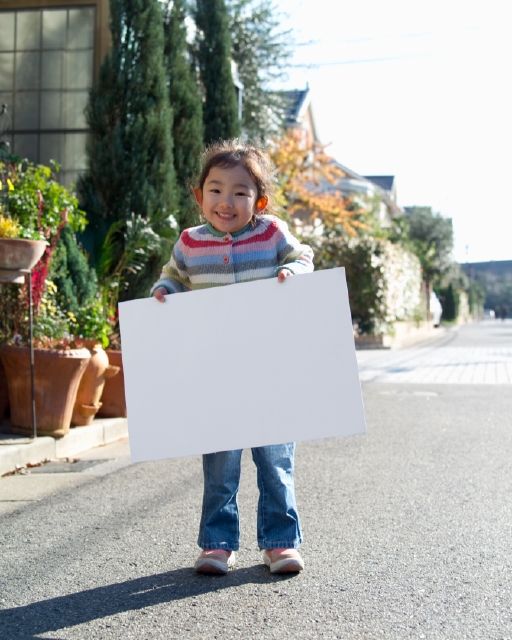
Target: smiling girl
[(240, 241)]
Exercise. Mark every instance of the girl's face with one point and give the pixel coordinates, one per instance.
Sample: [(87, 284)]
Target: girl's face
[(229, 199)]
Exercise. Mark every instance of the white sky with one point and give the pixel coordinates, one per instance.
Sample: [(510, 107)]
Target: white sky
[(431, 105)]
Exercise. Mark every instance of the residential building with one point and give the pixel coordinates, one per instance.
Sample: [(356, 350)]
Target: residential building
[(50, 52), (299, 114)]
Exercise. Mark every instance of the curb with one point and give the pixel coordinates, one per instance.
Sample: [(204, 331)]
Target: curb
[(18, 451), (364, 343)]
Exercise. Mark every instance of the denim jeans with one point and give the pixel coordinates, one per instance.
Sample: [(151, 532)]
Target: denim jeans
[(278, 521)]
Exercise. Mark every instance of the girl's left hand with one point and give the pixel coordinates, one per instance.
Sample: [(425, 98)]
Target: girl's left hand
[(283, 274)]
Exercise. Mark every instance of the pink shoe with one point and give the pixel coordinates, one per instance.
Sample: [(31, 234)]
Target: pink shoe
[(283, 560), (215, 561)]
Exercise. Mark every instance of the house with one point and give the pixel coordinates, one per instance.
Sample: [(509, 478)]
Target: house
[(299, 114), (370, 187), (50, 52)]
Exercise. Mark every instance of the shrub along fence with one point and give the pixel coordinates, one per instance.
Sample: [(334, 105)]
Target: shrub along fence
[(384, 280)]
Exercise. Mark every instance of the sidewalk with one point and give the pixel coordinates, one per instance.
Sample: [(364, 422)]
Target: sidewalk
[(406, 334), (18, 451)]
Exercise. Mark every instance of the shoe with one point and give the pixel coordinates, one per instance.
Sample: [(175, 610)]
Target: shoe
[(283, 560), (215, 561)]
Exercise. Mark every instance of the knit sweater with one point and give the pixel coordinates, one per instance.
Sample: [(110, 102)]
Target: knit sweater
[(204, 257)]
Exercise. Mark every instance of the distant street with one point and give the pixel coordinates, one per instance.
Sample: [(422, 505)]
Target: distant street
[(407, 529), (480, 353)]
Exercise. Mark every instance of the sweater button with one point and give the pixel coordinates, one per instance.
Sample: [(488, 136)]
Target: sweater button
[(227, 238), (225, 259)]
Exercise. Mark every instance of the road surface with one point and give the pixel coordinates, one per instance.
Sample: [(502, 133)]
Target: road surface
[(407, 529)]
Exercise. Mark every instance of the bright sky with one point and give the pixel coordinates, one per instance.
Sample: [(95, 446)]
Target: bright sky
[(420, 90)]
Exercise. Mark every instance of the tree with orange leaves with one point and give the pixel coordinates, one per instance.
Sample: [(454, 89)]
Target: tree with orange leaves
[(307, 178)]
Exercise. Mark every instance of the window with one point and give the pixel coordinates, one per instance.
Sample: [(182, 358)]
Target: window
[(46, 71)]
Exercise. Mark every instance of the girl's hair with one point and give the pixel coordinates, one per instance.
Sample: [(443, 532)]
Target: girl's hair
[(227, 154)]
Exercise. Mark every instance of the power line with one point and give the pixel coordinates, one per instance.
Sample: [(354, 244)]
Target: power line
[(399, 36), (317, 65)]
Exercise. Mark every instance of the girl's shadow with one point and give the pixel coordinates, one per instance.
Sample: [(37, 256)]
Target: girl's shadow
[(28, 621)]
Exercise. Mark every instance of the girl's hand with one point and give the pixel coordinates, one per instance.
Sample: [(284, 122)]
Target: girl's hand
[(282, 275), (160, 293)]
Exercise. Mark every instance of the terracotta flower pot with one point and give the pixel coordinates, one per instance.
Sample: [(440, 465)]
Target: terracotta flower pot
[(113, 400), (18, 254), (4, 392), (91, 385), (57, 375)]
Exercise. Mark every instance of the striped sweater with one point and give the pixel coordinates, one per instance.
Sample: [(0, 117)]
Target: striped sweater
[(204, 257)]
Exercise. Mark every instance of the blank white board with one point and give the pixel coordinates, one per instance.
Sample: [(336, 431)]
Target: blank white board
[(241, 366)]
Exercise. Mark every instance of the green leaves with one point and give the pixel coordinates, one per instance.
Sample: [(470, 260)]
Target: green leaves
[(384, 280), (93, 322), (431, 238), (131, 245), (186, 104), (130, 168), (28, 181), (262, 52)]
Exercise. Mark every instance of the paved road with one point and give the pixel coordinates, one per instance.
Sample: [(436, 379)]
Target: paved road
[(407, 529), (480, 353)]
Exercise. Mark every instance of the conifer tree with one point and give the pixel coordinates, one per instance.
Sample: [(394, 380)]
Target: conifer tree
[(75, 279), (186, 105), (220, 108), (131, 153)]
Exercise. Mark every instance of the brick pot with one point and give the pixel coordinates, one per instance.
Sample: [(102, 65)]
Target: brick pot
[(4, 392), (92, 384), (113, 400), (57, 374)]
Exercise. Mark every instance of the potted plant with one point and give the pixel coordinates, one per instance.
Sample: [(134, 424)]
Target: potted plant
[(92, 326), (59, 362), (130, 245), (16, 253), (39, 207)]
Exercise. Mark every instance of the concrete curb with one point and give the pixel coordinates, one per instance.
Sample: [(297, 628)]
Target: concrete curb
[(403, 340), (19, 451)]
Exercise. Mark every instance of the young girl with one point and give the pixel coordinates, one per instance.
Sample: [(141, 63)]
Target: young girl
[(240, 242)]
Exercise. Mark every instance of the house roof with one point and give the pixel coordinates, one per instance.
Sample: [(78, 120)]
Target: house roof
[(297, 102), (384, 182), (382, 189)]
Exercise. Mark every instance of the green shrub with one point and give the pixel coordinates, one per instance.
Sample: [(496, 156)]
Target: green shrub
[(40, 220), (450, 301), (383, 280), (76, 281)]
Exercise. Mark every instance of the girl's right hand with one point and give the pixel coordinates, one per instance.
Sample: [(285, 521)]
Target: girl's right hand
[(160, 294)]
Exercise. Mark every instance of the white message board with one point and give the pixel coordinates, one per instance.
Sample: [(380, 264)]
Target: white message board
[(241, 366)]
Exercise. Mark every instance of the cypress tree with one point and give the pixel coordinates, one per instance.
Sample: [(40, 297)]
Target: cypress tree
[(129, 115), (186, 104), (75, 279), (220, 108)]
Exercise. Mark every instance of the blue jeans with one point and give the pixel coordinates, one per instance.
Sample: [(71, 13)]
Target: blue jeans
[(278, 520)]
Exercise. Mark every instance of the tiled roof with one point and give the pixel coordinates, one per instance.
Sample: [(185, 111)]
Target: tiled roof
[(384, 182), (295, 100)]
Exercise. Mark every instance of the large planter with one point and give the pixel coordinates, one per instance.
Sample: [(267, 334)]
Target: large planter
[(91, 385), (16, 254), (57, 375), (4, 392), (113, 399)]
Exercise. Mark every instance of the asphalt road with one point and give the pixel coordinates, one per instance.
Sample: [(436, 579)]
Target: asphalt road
[(407, 534)]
